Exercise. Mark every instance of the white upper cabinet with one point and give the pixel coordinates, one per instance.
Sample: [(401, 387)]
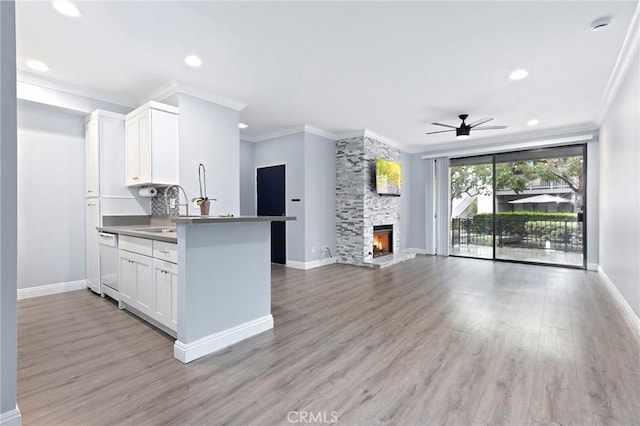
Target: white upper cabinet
[(152, 145), (92, 159), (104, 155)]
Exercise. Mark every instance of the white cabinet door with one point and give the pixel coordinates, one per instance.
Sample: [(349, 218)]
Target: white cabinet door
[(144, 285), (144, 146), (139, 149), (133, 151), (92, 245), (136, 287), (112, 158), (128, 278), (152, 146), (92, 159), (165, 282)]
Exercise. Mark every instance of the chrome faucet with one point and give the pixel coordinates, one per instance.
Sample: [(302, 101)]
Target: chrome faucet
[(166, 199)]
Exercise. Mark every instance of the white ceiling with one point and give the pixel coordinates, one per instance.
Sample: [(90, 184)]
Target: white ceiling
[(391, 67)]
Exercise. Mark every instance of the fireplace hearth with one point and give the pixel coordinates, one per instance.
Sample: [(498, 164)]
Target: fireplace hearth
[(382, 240)]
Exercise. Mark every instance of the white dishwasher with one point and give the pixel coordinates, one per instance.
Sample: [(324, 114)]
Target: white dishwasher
[(109, 265)]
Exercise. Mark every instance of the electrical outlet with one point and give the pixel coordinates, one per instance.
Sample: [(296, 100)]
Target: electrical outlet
[(172, 202), (313, 249)]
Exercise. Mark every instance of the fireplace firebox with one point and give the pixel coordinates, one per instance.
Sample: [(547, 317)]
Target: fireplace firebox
[(382, 240)]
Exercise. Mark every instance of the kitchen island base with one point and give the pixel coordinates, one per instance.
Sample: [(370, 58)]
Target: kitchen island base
[(224, 273)]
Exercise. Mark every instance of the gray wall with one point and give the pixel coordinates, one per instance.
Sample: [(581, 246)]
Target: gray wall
[(288, 150), (619, 183), (51, 208), (320, 196), (8, 219), (310, 176), (209, 134), (247, 180)]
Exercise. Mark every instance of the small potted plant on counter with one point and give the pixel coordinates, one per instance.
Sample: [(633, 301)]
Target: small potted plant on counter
[(203, 201)]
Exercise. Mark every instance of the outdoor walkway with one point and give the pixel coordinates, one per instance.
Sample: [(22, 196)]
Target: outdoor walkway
[(554, 257)]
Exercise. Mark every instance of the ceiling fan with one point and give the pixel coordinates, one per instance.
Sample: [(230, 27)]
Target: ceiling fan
[(463, 131)]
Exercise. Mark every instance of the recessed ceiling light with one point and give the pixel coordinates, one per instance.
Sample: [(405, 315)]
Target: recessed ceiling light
[(518, 74), (66, 8), (533, 122), (193, 61), (37, 65), (600, 24), (242, 125)]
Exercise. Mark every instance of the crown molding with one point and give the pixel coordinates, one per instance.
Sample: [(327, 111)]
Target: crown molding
[(174, 87), (365, 133), (319, 132), (272, 135), (352, 134), (369, 134), (621, 68), (72, 89), (529, 141)]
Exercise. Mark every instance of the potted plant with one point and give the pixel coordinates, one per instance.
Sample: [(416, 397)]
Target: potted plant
[(203, 201)]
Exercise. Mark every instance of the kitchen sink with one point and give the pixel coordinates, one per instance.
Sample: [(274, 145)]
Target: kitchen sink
[(156, 230)]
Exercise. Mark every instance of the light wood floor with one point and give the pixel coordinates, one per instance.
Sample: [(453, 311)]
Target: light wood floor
[(430, 341)]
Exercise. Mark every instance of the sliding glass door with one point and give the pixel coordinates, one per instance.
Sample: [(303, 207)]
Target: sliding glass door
[(471, 233), (537, 206)]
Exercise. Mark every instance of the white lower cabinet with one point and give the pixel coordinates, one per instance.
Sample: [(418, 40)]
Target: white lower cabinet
[(149, 284), (127, 277), (93, 245), (136, 281), (165, 284)]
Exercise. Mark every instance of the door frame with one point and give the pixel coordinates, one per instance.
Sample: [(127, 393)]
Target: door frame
[(585, 171), (286, 197)]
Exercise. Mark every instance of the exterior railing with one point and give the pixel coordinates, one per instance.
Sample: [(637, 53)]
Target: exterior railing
[(542, 184), (562, 235)]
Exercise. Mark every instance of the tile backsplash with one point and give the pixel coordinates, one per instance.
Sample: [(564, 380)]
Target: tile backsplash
[(159, 203)]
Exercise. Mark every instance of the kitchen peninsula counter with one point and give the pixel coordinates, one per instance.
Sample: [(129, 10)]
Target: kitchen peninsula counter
[(224, 275)]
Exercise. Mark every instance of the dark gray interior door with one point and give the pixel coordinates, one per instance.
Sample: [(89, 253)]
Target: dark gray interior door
[(271, 202)]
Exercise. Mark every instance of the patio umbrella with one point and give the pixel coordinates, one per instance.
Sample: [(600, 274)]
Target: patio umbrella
[(544, 198)]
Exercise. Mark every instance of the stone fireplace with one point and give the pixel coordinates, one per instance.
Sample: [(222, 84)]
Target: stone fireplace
[(382, 240), (358, 206)]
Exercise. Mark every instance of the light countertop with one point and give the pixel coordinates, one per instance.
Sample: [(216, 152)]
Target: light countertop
[(144, 231), (195, 220), (167, 231)]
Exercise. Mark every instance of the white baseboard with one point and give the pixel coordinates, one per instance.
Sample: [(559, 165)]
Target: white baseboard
[(11, 418), (628, 314), (310, 265), (46, 290), (592, 266), (415, 250), (187, 352)]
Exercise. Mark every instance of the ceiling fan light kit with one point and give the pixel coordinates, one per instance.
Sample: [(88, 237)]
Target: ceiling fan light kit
[(464, 130), (462, 133)]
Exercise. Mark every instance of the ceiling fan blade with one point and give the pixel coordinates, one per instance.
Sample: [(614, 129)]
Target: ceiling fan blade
[(440, 131), (444, 125), (479, 122), (489, 127)]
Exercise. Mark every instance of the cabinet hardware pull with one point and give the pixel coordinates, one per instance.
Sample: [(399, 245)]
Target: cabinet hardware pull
[(164, 251), (136, 178)]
